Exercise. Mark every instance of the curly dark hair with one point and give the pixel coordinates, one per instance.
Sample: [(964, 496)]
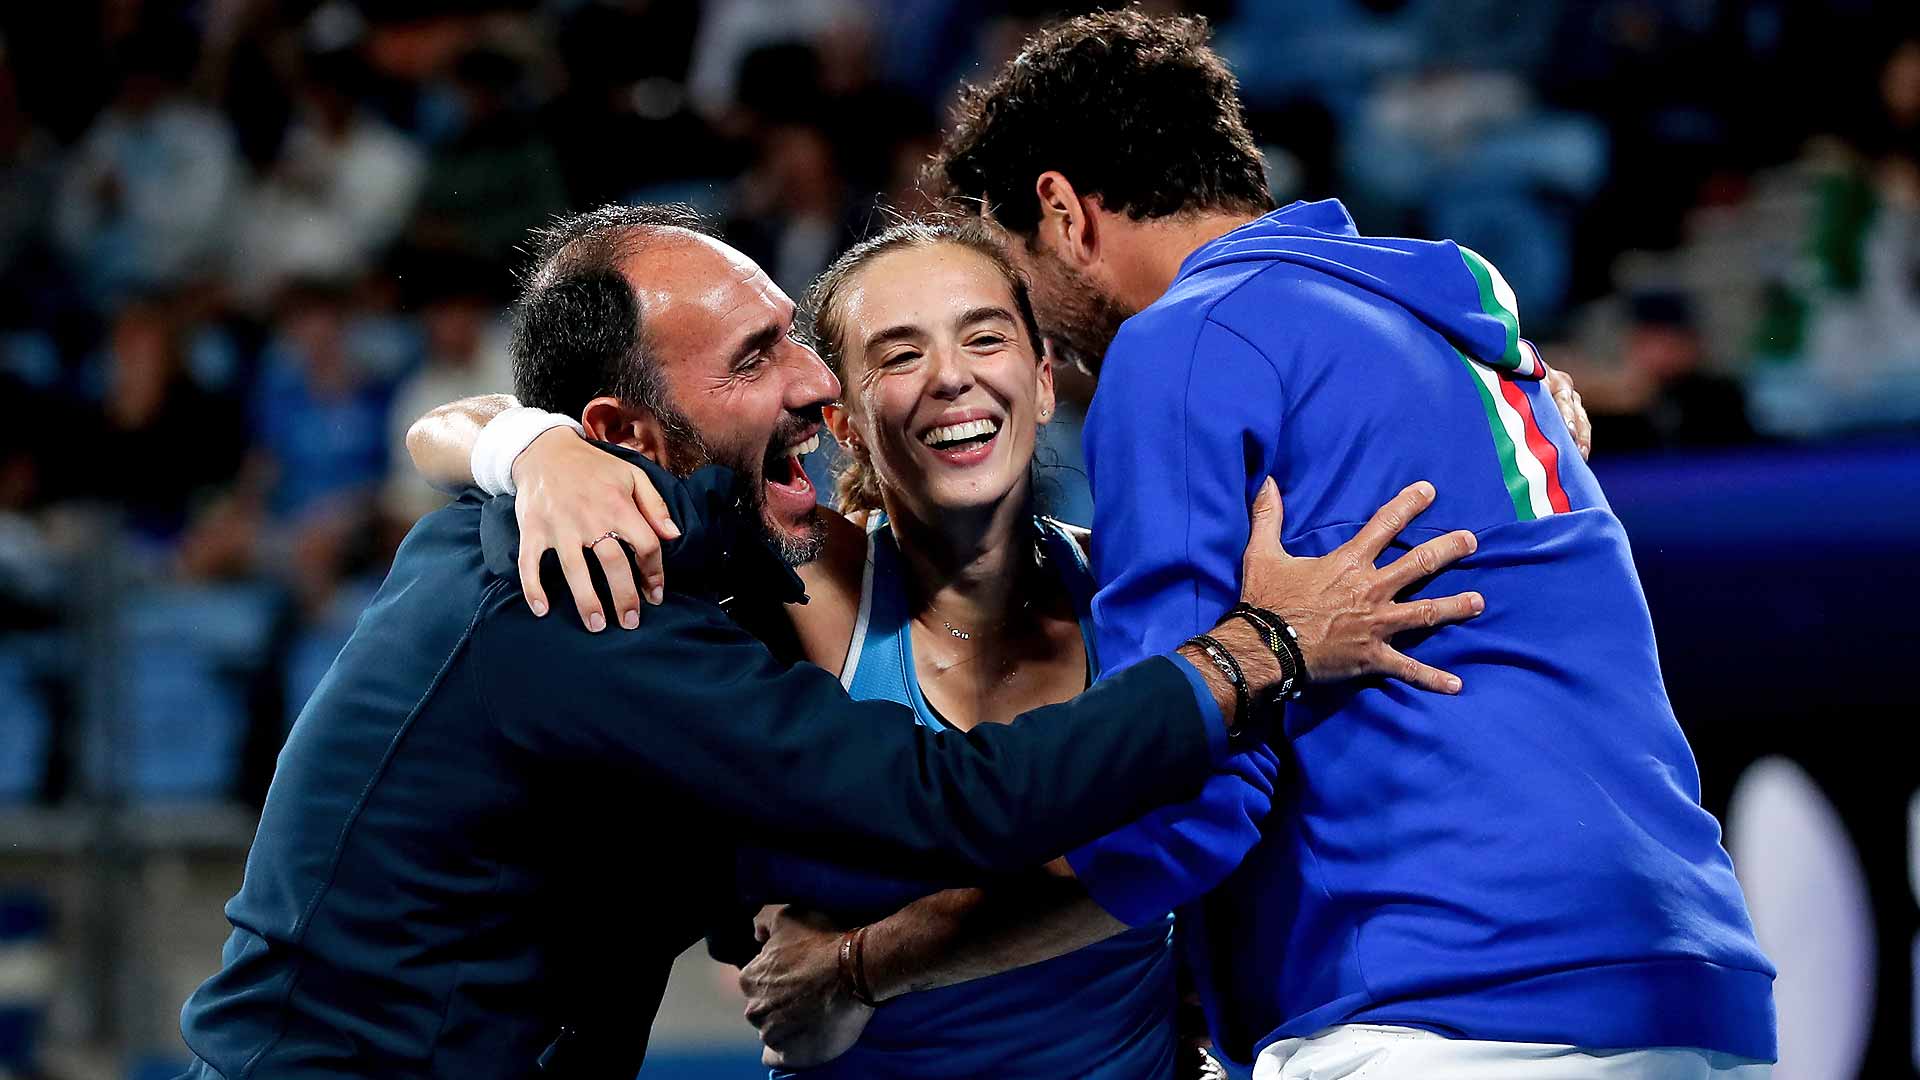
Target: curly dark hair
[(1132, 107)]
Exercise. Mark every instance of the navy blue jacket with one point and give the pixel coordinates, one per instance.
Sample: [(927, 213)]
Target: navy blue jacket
[(489, 835)]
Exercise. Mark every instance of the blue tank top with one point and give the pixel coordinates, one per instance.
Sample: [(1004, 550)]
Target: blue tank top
[(1104, 1012)]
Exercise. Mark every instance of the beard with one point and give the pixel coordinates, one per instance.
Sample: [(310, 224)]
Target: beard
[(689, 453), (1077, 317)]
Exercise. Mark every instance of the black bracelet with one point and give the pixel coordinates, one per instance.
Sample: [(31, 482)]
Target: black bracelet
[(1283, 642), (1230, 670)]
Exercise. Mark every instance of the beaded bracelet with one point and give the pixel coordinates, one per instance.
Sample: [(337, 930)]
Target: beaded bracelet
[(1283, 642), (1230, 670)]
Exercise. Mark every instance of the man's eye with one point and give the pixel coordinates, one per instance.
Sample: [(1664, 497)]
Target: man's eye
[(986, 341)]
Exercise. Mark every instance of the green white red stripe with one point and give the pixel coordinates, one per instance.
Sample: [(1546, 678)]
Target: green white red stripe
[(1497, 299), (1529, 461)]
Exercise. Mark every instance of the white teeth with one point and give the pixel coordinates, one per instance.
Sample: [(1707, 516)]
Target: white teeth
[(956, 432), (805, 448)]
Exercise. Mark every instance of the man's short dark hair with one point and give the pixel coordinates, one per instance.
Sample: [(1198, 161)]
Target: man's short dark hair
[(578, 330), (1134, 108)]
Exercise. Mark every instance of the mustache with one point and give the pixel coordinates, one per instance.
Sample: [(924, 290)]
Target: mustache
[(794, 422)]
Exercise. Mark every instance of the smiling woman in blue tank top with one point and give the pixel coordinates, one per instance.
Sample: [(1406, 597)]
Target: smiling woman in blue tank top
[(944, 591)]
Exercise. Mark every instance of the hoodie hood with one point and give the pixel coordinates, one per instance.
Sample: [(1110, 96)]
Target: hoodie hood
[(1446, 286)]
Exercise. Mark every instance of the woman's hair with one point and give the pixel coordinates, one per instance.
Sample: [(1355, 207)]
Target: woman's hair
[(826, 318)]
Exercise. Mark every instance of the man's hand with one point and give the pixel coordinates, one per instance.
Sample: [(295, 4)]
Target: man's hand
[(1342, 607), (571, 495), (795, 997), (1572, 410)]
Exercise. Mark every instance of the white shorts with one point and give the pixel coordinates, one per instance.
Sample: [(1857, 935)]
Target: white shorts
[(1374, 1052)]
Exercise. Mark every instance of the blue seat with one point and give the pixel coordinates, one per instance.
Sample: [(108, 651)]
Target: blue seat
[(26, 728), (26, 980), (316, 647), (181, 728)]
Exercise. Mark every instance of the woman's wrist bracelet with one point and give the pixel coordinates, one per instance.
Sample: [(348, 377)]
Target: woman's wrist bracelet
[(853, 967)]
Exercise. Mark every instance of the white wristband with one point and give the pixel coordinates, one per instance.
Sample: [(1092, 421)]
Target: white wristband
[(502, 440)]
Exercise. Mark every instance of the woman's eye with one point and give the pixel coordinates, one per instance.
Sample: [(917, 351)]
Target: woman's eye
[(896, 359)]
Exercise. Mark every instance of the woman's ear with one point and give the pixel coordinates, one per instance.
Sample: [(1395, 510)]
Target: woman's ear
[(839, 423), (1043, 382)]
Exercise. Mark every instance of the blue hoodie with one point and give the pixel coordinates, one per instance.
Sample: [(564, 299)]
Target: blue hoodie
[(1527, 861)]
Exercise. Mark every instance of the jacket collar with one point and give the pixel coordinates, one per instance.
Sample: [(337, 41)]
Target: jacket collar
[(721, 551)]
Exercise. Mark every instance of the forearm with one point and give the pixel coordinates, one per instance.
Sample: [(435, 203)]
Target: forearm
[(441, 442), (965, 934), (1260, 668)]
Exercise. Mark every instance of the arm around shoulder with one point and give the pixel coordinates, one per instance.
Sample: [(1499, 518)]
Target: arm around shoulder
[(693, 702)]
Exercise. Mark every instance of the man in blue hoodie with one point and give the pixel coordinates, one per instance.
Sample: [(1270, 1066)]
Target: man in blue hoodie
[(1514, 881)]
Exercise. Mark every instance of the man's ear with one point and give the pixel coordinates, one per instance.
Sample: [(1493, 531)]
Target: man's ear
[(610, 420), (1067, 222)]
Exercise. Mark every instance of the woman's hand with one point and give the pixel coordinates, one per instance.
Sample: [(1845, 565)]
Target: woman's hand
[(1572, 410), (574, 498), (795, 996)]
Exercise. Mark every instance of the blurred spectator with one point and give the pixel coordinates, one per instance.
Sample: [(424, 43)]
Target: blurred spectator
[(29, 578), (29, 177), (340, 192), (496, 177), (1663, 397), (791, 211), (732, 30), (1844, 327), (160, 446), (319, 432), (147, 195), (621, 102), (466, 354)]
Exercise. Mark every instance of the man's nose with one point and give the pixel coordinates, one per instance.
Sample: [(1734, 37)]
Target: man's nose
[(812, 383)]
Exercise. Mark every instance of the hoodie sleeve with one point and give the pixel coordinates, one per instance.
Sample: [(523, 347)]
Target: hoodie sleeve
[(1183, 429)]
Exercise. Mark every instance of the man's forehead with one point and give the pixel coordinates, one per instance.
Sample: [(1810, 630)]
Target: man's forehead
[(694, 282)]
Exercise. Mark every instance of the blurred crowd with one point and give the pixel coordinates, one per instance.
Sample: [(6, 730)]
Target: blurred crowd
[(243, 243)]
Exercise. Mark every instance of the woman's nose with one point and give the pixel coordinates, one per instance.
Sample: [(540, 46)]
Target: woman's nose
[(951, 375)]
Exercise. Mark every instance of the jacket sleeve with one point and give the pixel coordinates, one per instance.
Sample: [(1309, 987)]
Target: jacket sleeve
[(693, 703), (1171, 521)]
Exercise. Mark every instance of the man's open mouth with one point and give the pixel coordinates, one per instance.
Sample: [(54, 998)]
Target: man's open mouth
[(784, 471)]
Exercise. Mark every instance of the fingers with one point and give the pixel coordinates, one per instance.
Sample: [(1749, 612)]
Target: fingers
[(1427, 560), (1268, 514), (1572, 410), (1386, 523), (648, 555), (763, 922), (1266, 518), (653, 508), (1398, 665), (531, 549), (612, 554), (1434, 611), (573, 563)]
